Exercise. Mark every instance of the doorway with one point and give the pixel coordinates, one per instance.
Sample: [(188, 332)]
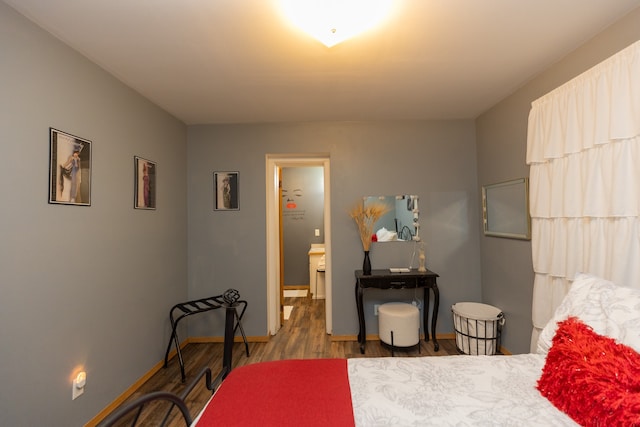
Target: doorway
[(274, 255), (302, 204)]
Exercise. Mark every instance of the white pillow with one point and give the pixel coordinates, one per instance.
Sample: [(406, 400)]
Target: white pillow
[(586, 299), (623, 317), (611, 310)]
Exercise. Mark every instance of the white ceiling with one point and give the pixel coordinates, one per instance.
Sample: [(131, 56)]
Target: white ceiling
[(235, 61)]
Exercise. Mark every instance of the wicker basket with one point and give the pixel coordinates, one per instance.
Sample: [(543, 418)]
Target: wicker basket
[(478, 328)]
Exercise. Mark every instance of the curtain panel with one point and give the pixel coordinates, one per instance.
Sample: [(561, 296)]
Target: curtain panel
[(583, 149)]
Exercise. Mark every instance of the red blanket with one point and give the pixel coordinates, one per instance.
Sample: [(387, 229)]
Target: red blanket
[(283, 393)]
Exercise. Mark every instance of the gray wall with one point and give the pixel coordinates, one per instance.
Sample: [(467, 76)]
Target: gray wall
[(304, 187), (81, 286), (507, 272), (434, 159)]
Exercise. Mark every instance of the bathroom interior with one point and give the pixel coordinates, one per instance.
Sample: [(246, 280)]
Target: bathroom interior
[(303, 232)]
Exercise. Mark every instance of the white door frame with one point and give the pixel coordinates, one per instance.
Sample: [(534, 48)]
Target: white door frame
[(274, 161)]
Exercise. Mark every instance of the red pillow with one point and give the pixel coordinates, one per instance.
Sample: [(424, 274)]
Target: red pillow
[(591, 378)]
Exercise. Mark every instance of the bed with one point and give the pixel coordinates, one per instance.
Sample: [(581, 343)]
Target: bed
[(586, 371), (407, 391)]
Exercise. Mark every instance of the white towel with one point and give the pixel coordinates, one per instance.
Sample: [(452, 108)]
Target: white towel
[(384, 235)]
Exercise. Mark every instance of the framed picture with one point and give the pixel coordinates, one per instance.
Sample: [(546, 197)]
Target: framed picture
[(225, 186), (505, 209), (69, 169), (145, 183)]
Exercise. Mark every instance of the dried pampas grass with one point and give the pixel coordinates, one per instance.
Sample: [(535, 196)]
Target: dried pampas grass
[(365, 217)]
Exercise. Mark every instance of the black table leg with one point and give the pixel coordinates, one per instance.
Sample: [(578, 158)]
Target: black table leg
[(362, 334), (434, 316), (425, 314)]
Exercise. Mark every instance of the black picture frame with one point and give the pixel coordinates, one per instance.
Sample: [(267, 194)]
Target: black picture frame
[(144, 193), (69, 169), (225, 191)]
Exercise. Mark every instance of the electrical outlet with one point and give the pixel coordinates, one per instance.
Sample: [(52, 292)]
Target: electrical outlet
[(375, 309), (76, 392), (78, 385)]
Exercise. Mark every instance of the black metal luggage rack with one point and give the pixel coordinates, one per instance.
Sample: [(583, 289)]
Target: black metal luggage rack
[(230, 300)]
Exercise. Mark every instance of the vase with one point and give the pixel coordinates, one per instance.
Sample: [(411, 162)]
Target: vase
[(366, 264)]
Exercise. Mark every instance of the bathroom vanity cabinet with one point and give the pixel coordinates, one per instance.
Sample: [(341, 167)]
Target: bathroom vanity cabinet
[(316, 279)]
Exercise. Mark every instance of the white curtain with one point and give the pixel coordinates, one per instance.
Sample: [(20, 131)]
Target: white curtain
[(583, 148)]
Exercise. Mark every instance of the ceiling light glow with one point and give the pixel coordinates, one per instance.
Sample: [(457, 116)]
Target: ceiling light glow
[(334, 21)]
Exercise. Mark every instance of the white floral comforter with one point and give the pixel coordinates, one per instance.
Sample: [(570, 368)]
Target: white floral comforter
[(451, 391)]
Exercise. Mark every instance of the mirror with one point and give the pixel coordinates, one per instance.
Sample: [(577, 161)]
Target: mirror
[(401, 222), (505, 209)]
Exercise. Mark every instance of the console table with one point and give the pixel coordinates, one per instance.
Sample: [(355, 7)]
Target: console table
[(384, 279)]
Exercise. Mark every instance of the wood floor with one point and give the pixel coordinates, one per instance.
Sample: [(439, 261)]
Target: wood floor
[(301, 337)]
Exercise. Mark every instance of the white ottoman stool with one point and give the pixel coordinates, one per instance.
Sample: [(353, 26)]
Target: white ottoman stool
[(399, 324)]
